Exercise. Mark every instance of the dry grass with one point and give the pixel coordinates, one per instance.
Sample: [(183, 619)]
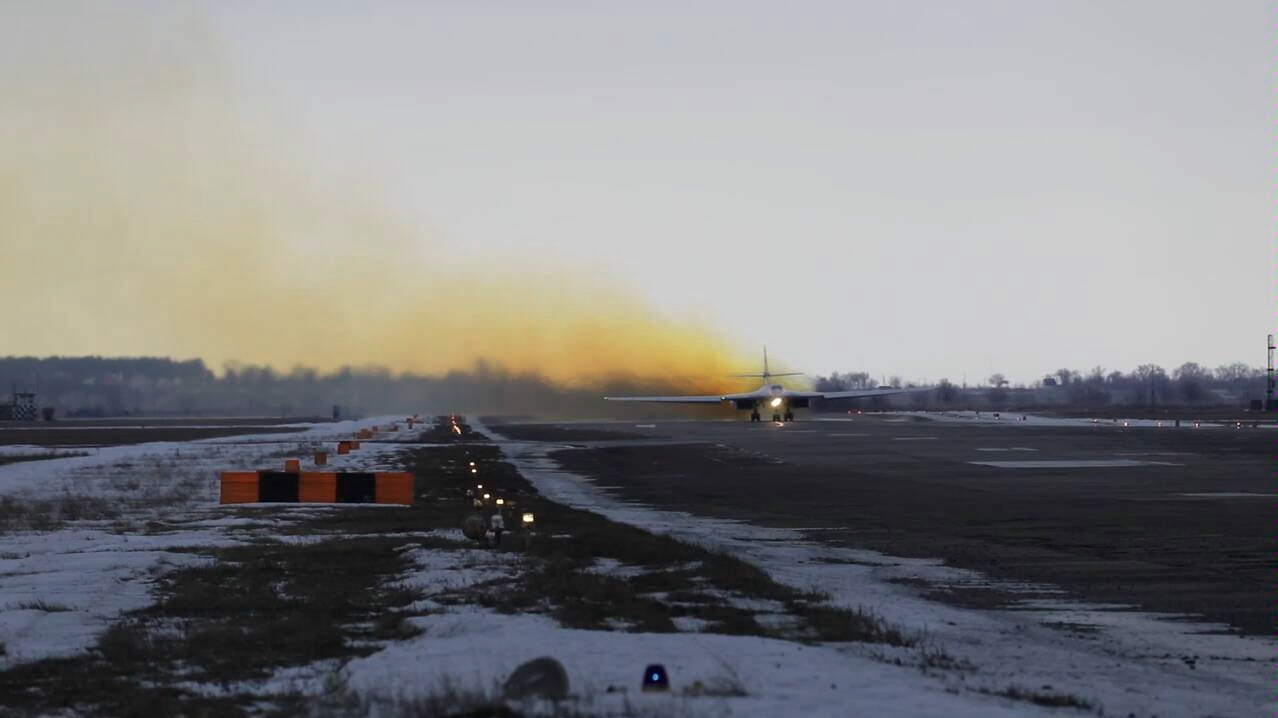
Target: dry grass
[(249, 612), (18, 515), (1044, 697), (446, 698), (44, 456), (41, 605), (253, 610)]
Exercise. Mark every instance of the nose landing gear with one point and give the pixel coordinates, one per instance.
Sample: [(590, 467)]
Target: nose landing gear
[(754, 416)]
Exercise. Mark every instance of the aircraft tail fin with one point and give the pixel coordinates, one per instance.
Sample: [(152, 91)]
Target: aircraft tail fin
[(767, 374)]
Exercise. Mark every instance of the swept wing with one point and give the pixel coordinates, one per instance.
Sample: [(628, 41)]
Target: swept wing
[(671, 399)]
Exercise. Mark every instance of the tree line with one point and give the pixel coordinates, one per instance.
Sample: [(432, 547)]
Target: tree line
[(1190, 384), (98, 387), (156, 386)]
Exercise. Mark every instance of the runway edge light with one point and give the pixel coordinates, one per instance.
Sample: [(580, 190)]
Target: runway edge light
[(655, 678)]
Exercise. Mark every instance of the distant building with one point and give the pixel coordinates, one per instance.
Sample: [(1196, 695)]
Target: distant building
[(21, 408)]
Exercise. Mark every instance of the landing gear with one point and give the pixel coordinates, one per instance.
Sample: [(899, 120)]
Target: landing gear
[(789, 416), (754, 416), (776, 418)]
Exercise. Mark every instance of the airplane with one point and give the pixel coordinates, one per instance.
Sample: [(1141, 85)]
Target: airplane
[(780, 400)]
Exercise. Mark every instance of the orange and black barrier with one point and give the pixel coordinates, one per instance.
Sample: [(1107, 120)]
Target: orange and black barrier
[(314, 487)]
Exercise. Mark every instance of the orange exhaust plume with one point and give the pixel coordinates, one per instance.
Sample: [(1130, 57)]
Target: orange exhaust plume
[(151, 209)]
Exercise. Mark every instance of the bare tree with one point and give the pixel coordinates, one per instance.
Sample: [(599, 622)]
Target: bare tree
[(946, 393), (1191, 381), (1153, 381), (859, 380), (834, 382), (1238, 371)]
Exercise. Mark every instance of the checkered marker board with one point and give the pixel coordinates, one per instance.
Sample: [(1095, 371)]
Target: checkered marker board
[(382, 487), (24, 412)]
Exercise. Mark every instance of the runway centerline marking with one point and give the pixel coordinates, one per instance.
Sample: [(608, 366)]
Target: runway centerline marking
[(913, 438), (1071, 464), (1007, 448), (861, 434)]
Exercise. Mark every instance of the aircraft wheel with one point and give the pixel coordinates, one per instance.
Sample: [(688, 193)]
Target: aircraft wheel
[(755, 416), (789, 416), (776, 417)]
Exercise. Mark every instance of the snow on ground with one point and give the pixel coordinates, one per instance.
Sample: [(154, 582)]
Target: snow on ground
[(441, 573), (158, 469), (1133, 663), (60, 588), (1015, 418), (781, 678)]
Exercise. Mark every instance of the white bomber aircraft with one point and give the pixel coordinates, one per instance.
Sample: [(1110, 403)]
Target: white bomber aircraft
[(781, 401)]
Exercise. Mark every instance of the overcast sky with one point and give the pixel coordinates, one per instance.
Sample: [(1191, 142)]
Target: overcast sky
[(918, 188)]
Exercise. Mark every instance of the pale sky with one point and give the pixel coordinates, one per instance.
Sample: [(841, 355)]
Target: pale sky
[(929, 189)]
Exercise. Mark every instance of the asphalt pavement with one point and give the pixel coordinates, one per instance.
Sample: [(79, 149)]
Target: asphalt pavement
[(1177, 520)]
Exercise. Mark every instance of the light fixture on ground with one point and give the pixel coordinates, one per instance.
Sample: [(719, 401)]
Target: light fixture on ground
[(655, 678)]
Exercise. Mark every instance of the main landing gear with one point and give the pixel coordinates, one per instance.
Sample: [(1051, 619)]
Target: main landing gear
[(778, 417)]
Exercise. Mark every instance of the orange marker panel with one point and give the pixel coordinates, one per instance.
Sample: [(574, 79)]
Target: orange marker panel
[(394, 487), (343, 447), (354, 445), (292, 465), (321, 458), (239, 487), (317, 488)]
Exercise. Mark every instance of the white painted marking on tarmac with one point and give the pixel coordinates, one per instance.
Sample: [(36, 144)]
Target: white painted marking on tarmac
[(1071, 464), (645, 426), (913, 438), (1007, 448), (861, 434), (1230, 495)]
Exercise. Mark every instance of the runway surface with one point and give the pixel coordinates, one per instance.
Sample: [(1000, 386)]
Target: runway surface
[(1168, 520)]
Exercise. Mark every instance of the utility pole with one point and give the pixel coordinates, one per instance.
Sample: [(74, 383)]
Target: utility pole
[(1269, 384)]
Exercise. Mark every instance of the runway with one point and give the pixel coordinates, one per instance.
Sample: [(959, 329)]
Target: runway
[(1175, 520)]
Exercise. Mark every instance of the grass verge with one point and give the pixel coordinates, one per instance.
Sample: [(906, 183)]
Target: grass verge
[(1044, 697), (237, 619)]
